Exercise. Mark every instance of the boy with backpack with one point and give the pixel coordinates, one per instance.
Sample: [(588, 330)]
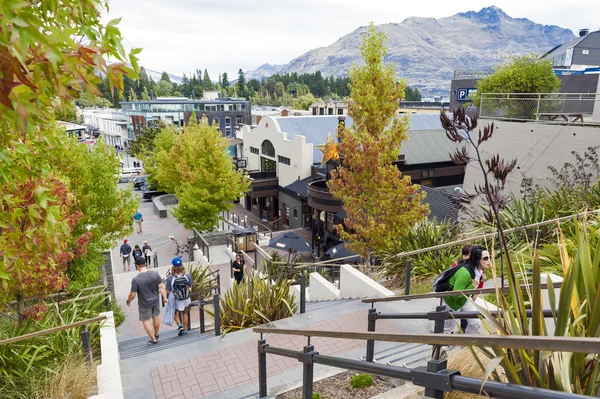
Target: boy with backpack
[(180, 283)]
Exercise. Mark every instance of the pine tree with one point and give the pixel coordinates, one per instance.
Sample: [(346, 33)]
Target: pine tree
[(381, 204), (206, 82), (225, 80)]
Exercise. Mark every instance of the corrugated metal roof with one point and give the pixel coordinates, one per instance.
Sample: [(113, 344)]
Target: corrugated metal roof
[(427, 141), (441, 204)]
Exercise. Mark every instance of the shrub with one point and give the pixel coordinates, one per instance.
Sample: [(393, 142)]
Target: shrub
[(117, 312), (254, 302), (316, 395), (361, 381), (202, 280)]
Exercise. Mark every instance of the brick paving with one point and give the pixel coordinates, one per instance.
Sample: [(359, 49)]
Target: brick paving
[(222, 370)]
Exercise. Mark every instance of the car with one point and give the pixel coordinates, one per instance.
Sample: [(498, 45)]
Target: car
[(139, 182), (150, 193), (128, 174)]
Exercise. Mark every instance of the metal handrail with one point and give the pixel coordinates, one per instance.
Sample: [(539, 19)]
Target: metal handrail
[(52, 330), (543, 343)]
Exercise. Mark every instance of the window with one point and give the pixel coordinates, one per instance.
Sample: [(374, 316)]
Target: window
[(340, 111), (216, 122), (254, 150), (427, 173), (268, 149), (295, 213), (330, 111), (321, 111), (227, 121), (314, 110), (283, 160), (238, 120), (585, 51)]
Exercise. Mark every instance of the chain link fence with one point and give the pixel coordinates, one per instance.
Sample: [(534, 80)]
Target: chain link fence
[(561, 108)]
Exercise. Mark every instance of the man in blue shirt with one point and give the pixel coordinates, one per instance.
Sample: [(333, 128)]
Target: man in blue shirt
[(138, 219)]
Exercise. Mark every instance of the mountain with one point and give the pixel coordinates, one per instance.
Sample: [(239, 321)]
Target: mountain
[(427, 51), (263, 71), (157, 75)]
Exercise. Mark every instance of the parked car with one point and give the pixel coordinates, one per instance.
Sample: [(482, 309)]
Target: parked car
[(139, 182), (150, 193)]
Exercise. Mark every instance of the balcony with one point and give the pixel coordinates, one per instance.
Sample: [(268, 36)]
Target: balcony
[(320, 198), (263, 184)]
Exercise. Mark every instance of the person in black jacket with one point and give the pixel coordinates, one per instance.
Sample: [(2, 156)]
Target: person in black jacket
[(238, 268), (138, 253)]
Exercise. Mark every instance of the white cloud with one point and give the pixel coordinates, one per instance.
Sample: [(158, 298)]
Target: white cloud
[(181, 36)]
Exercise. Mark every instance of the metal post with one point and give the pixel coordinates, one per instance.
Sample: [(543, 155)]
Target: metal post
[(218, 283), (87, 348), (107, 302), (230, 268), (307, 372), (201, 314), (217, 315), (302, 279), (538, 238), (255, 258), (407, 276), (262, 369), (433, 366), (438, 328), (372, 319)]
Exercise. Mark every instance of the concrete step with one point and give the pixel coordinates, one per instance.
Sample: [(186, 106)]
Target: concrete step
[(404, 355), (168, 339)]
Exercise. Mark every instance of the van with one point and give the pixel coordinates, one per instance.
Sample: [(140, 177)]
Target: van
[(128, 174)]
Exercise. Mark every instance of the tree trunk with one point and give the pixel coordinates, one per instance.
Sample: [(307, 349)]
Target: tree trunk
[(20, 306)]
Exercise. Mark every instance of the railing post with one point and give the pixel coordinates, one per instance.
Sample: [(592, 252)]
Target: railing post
[(307, 371), (434, 366), (218, 283), (407, 276), (537, 111), (216, 312), (302, 279), (372, 319), (201, 314), (438, 328), (230, 268), (262, 369), (87, 348), (538, 238), (107, 302)]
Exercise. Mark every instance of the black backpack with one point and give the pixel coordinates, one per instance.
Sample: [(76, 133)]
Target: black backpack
[(442, 282), (180, 287)]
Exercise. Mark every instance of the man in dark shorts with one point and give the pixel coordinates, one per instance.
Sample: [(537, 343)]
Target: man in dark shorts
[(148, 285)]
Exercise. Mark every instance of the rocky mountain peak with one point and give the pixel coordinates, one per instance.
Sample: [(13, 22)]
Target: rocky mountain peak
[(489, 15)]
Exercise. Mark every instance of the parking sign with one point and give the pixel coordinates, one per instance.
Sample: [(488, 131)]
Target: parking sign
[(463, 94)]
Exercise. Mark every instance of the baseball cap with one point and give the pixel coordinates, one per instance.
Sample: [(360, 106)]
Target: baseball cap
[(140, 260), (177, 262), (125, 240)]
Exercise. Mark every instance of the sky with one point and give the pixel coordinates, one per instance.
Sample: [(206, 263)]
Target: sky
[(180, 36)]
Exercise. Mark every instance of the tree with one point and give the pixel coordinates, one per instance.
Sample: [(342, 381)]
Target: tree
[(381, 204), (144, 142), (196, 166), (53, 53), (132, 95), (145, 96), (522, 74), (163, 88), (224, 80), (242, 90), (304, 102), (165, 77), (206, 82), (44, 66), (412, 94)]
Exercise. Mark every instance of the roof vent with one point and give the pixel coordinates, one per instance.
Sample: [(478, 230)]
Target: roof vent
[(583, 32)]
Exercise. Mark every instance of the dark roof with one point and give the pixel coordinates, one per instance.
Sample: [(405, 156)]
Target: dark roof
[(299, 188), (441, 204), (188, 101), (565, 46), (427, 141)]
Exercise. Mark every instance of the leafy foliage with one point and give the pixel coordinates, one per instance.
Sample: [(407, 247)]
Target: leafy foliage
[(51, 54), (424, 234), (361, 381), (196, 166), (521, 74), (144, 142), (381, 203), (254, 302)]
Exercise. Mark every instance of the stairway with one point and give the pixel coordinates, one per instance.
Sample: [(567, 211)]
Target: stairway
[(404, 355), (168, 339)]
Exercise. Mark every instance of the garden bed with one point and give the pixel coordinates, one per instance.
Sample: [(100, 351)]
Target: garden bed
[(338, 387)]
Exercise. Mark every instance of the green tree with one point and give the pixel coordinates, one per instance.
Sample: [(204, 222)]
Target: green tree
[(163, 89), (521, 74), (132, 95), (412, 94), (44, 67), (381, 204), (206, 82), (144, 142), (165, 77), (303, 102), (196, 166), (224, 80), (242, 90), (145, 96), (105, 209)]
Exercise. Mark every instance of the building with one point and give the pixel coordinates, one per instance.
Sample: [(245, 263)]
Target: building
[(288, 181), (577, 54), (329, 108), (75, 130), (260, 112), (108, 123), (226, 113)]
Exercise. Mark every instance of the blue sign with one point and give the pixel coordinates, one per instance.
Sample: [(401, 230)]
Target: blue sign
[(463, 94)]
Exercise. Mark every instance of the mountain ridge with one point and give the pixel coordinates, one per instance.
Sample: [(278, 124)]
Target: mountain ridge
[(426, 51)]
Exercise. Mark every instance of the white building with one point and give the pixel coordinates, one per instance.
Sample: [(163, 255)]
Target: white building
[(109, 123)]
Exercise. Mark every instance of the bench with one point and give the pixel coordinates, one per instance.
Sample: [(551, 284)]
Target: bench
[(159, 208), (566, 116)]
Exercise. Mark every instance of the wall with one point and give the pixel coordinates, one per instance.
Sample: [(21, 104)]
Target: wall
[(294, 223), (460, 84), (535, 146), (295, 148)]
